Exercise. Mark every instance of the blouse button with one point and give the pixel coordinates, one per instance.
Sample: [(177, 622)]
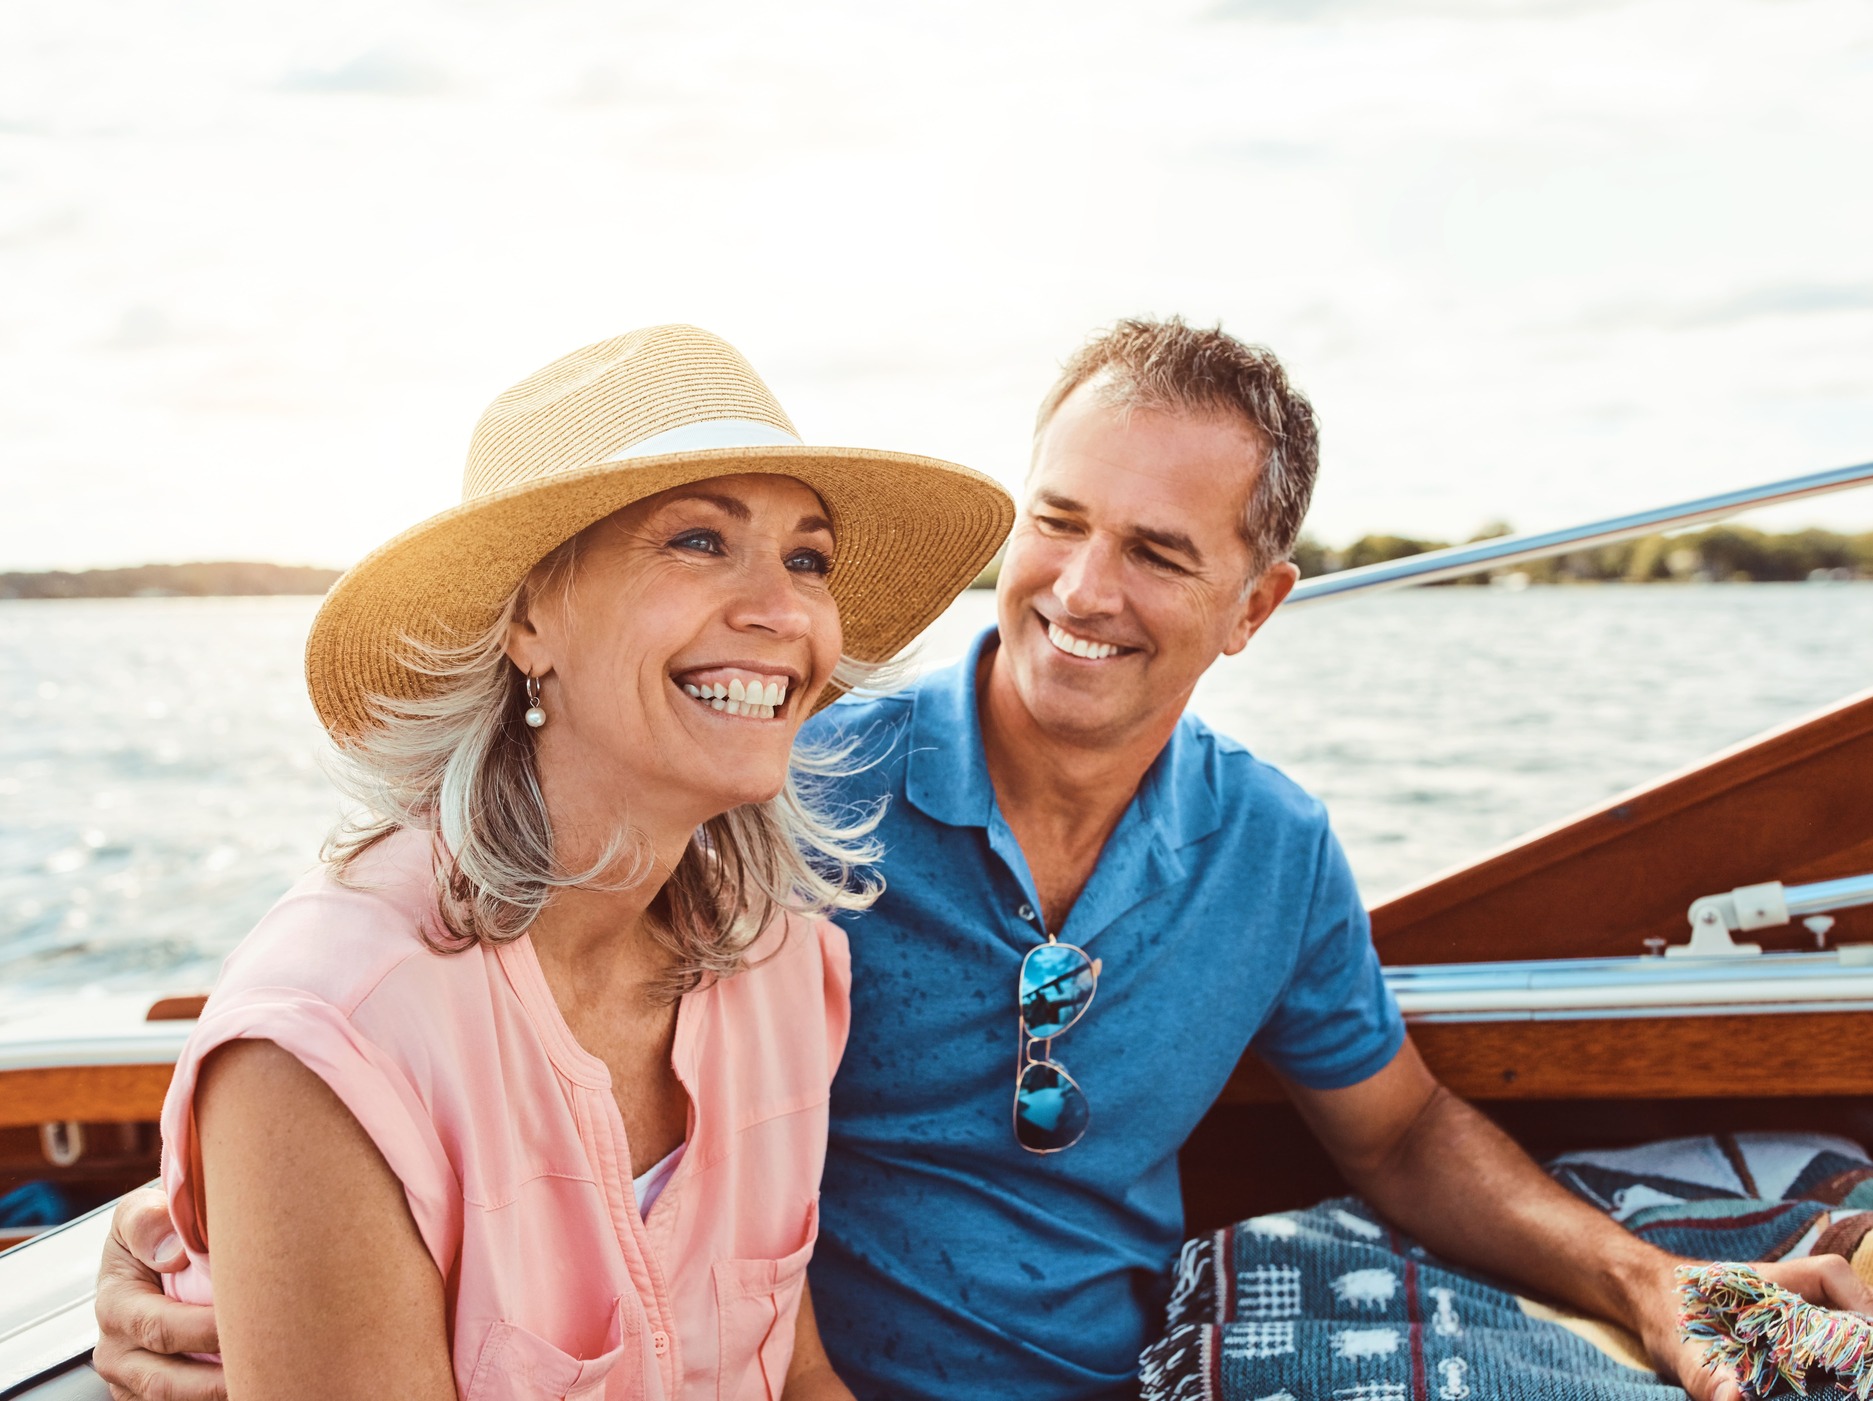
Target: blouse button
[(660, 1342), (1025, 912)]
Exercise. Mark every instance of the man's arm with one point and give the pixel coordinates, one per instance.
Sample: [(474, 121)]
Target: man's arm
[(140, 1328), (1451, 1178), (810, 1376)]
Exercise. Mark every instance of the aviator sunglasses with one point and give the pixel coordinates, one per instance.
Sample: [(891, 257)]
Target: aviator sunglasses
[(1057, 985)]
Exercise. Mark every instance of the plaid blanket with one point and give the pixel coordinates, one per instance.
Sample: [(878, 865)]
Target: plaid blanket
[(1332, 1302)]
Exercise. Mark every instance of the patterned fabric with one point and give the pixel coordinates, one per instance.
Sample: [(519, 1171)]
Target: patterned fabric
[(1746, 1196), (1331, 1304), (1777, 1167)]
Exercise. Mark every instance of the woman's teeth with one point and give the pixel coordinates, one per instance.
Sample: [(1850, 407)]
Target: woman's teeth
[(1080, 646), (755, 699)]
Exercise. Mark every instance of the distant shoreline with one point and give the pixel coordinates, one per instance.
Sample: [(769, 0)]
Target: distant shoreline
[(1720, 554), (212, 580)]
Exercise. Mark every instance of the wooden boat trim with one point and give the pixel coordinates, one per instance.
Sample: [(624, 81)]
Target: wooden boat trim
[(1710, 1057), (86, 1094)]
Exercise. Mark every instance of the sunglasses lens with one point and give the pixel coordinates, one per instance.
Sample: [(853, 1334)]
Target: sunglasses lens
[(1057, 982), (1050, 1110)]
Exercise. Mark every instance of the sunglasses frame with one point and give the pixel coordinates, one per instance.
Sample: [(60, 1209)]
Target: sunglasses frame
[(1026, 1057)]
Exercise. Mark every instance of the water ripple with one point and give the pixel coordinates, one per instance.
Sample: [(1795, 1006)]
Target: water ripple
[(160, 783)]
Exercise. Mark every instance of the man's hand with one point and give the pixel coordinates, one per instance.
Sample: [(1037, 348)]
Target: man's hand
[(140, 1329), (1448, 1176), (1827, 1280)]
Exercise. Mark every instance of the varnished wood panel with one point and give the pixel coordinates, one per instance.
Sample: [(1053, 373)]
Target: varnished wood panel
[(1799, 1053), (177, 1009), (1790, 806), (111, 1094)]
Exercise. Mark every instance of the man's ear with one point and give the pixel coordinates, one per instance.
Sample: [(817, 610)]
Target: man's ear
[(1259, 603)]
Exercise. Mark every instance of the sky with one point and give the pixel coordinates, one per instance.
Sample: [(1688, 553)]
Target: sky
[(263, 265)]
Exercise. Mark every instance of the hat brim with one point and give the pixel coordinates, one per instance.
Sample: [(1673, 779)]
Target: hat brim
[(912, 532)]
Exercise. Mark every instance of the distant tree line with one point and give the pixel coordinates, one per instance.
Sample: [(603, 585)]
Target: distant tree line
[(170, 581), (1722, 553)]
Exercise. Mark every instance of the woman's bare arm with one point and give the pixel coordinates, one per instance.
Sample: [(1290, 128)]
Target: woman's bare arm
[(324, 1289)]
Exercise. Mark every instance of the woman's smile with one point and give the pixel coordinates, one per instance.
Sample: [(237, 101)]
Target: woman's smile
[(742, 692)]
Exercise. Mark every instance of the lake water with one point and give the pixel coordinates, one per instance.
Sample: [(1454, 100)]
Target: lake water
[(160, 778)]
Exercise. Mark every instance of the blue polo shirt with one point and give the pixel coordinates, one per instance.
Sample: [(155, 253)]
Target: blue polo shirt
[(951, 1262)]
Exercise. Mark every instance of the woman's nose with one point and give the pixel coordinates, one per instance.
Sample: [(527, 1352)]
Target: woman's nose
[(767, 600)]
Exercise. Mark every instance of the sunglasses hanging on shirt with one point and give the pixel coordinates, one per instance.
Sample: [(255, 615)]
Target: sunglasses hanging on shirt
[(1056, 987)]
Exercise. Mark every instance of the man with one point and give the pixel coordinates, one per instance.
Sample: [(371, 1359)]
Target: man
[(1001, 1203)]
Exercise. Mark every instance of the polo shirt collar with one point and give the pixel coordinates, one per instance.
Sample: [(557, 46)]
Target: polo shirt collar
[(1181, 794), (948, 775), (948, 772)]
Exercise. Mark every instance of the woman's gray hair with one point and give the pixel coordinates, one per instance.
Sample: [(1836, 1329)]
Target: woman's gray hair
[(460, 763)]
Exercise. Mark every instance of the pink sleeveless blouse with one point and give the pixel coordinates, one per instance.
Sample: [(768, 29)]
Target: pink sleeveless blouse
[(511, 1150)]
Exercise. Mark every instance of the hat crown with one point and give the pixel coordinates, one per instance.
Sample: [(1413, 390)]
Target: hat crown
[(596, 404)]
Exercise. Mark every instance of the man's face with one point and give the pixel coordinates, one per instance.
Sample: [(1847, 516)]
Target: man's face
[(1126, 575)]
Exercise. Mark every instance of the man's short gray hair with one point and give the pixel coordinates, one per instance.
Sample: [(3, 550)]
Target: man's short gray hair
[(1169, 365)]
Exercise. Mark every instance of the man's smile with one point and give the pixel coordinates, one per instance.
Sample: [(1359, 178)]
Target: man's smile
[(1086, 648)]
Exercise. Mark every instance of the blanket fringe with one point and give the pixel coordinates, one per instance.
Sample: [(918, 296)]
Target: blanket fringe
[(1770, 1337)]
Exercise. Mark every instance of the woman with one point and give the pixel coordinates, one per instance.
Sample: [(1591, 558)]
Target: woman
[(524, 1093)]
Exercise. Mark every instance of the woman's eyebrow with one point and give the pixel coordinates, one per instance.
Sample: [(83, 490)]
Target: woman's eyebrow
[(727, 505), (737, 509)]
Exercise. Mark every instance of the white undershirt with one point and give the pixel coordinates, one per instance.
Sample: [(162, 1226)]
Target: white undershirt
[(654, 1179)]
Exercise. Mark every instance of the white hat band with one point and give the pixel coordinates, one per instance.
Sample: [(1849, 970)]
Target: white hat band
[(710, 433)]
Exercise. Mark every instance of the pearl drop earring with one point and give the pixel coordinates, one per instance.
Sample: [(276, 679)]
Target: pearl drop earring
[(536, 715)]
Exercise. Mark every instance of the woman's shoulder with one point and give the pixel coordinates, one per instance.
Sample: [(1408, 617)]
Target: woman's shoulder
[(796, 948), (338, 935), (799, 976)]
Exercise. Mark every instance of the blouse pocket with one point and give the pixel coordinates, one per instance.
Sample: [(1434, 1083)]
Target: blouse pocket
[(516, 1365), (756, 1303)]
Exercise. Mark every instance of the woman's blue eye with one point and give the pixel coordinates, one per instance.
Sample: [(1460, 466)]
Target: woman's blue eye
[(809, 562), (705, 540)]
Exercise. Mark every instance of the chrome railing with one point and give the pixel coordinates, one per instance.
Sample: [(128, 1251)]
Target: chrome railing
[(1818, 896), (1459, 560), (1835, 980), (1714, 918)]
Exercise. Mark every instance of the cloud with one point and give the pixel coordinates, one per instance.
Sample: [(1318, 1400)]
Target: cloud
[(142, 328), (48, 228), (1756, 304), (1793, 299), (1305, 11), (385, 71), (1287, 153)]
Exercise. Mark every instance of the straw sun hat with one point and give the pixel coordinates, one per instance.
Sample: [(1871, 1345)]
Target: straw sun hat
[(609, 425)]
